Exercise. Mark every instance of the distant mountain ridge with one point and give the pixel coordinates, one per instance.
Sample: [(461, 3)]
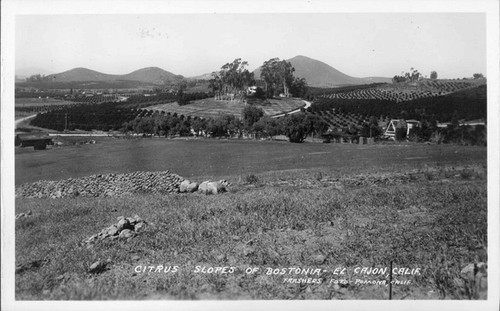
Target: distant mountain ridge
[(319, 74), (153, 75)]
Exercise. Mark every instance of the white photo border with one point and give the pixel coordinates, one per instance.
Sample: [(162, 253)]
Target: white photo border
[(11, 8)]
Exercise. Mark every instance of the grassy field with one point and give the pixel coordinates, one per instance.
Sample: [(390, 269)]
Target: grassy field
[(210, 107), (317, 206), (225, 158)]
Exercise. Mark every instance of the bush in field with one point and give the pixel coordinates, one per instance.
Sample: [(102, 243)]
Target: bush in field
[(251, 115), (465, 135), (267, 126), (436, 137), (370, 130), (40, 145), (251, 179), (295, 127), (299, 87), (183, 128), (400, 133), (199, 125), (224, 126), (159, 124), (316, 125), (416, 135)]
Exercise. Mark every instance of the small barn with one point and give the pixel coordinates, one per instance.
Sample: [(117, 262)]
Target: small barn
[(37, 140), (391, 128), (400, 123)]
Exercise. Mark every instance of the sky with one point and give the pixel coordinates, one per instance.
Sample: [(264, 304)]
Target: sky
[(357, 44)]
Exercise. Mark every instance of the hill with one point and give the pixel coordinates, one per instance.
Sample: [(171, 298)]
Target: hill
[(153, 75), (319, 74), (206, 76), (80, 75)]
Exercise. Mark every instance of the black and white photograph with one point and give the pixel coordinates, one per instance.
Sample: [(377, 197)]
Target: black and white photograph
[(250, 155)]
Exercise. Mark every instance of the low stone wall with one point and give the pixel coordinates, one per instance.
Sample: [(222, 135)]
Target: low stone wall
[(103, 185)]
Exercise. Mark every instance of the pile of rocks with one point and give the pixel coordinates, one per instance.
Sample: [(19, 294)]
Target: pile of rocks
[(103, 185), (187, 186), (126, 227)]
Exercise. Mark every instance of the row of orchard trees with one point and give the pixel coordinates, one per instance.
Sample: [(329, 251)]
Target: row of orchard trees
[(232, 81), (253, 123)]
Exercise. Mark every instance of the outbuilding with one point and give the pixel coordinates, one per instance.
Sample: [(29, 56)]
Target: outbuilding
[(37, 140)]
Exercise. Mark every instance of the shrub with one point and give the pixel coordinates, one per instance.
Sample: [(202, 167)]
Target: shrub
[(466, 174), (40, 145), (251, 179), (318, 176), (400, 133), (295, 127), (429, 175), (251, 115), (437, 137)]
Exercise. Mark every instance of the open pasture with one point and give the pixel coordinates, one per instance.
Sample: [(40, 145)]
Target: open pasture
[(219, 158), (209, 107), (294, 212)]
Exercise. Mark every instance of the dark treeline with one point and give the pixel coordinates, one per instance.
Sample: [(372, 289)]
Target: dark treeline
[(468, 104), (252, 124), (453, 133), (110, 116), (105, 117)]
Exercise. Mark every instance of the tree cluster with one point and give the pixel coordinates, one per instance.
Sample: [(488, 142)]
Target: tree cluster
[(295, 126), (279, 79), (478, 76), (231, 81), (253, 122), (278, 76), (159, 124), (411, 76), (37, 78)]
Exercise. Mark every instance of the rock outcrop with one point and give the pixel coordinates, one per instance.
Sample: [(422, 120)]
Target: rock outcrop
[(213, 187), (126, 227)]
